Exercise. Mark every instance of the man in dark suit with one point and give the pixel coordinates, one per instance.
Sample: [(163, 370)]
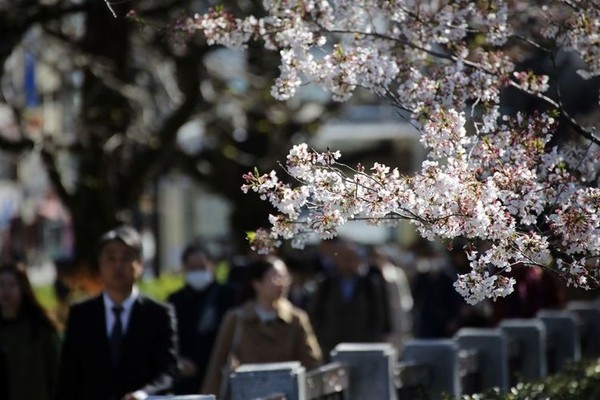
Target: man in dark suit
[(119, 345), (199, 306), (350, 304)]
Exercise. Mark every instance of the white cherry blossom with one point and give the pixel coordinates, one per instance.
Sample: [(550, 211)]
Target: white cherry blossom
[(502, 179)]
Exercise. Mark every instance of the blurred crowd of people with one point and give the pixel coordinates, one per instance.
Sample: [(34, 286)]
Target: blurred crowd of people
[(292, 306)]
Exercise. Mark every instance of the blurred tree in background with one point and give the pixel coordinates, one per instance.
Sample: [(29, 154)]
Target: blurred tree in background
[(125, 84)]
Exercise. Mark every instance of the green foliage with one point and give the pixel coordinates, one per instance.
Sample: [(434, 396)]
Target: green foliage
[(222, 272), (157, 288), (45, 295), (250, 235), (578, 381), (160, 288)]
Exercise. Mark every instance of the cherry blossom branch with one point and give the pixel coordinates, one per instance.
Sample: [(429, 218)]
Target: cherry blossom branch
[(507, 184), (564, 113), (578, 128), (433, 53)]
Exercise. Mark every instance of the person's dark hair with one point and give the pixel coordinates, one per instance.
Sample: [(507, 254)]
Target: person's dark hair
[(194, 248), (30, 305), (259, 268), (299, 265), (255, 271), (124, 234)]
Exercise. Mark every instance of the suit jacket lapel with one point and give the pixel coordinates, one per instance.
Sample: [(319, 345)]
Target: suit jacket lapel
[(100, 323), (98, 331)]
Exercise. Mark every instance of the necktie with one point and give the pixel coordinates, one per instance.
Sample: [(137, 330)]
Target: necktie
[(116, 336)]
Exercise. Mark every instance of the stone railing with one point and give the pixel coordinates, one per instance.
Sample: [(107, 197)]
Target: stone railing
[(183, 397), (474, 360)]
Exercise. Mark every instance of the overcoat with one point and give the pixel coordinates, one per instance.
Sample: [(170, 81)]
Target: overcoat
[(289, 337)]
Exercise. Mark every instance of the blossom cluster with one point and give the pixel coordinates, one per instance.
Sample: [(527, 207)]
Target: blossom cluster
[(493, 177)]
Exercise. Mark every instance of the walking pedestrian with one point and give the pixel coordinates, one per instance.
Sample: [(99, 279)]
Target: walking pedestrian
[(29, 342), (266, 329), (199, 306), (120, 345), (350, 304)]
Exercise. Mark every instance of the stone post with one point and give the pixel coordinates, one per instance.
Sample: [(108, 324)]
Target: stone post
[(563, 338), (183, 397), (440, 356), (372, 368), (492, 347), (251, 381), (589, 315), (530, 336)]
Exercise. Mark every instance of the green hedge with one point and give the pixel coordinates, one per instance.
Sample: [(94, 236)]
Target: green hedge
[(160, 288), (578, 381), (157, 288), (45, 295)]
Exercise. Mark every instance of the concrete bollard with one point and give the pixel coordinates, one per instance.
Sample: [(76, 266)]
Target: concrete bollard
[(563, 338), (530, 336), (440, 356), (372, 368), (492, 347), (251, 381), (183, 397), (589, 315)]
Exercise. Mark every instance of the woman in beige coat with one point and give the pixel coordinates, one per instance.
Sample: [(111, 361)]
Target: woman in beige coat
[(267, 329)]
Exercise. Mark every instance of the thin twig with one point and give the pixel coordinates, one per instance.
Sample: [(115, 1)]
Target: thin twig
[(109, 5)]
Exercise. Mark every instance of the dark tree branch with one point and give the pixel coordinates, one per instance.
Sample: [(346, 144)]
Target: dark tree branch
[(157, 157), (17, 19), (49, 160), (15, 146), (160, 10), (564, 114)]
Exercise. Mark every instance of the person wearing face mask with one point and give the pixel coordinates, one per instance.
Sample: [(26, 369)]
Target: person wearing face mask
[(199, 307)]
